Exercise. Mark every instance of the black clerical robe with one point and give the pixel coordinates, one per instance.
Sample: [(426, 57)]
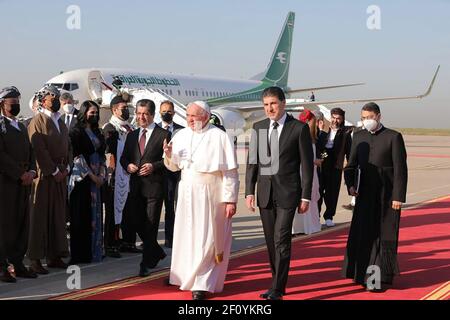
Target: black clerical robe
[(373, 237)]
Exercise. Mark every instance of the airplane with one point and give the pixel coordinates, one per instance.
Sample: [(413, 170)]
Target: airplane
[(236, 103)]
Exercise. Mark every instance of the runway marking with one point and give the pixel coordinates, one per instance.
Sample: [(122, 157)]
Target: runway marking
[(440, 293), (35, 296), (427, 190), (436, 156)]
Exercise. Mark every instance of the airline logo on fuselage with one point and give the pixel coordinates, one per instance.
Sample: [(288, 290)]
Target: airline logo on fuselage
[(281, 56), (130, 80)]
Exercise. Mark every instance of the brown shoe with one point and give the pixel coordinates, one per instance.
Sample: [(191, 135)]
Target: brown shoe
[(37, 267), (57, 264)]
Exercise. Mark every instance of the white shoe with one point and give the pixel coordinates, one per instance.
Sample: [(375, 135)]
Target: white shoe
[(329, 223)]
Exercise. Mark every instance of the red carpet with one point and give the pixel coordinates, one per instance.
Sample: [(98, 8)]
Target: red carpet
[(424, 258)]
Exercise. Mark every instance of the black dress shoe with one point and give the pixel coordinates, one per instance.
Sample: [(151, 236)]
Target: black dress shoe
[(57, 264), (275, 296), (198, 295), (23, 272), (37, 267), (143, 271), (113, 253), (266, 294), (7, 277)]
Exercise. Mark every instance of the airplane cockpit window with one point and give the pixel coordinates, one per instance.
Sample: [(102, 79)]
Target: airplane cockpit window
[(66, 86)]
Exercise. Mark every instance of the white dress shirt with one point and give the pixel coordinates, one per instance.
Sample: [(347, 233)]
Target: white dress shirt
[(52, 115), (14, 123), (168, 126), (281, 122), (149, 131), (330, 142)]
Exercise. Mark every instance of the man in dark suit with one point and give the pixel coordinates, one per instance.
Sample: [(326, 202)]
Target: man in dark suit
[(17, 172), (167, 111), (280, 148), (336, 145), (142, 158)]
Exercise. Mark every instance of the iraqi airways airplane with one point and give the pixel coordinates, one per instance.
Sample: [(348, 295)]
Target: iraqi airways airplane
[(235, 102)]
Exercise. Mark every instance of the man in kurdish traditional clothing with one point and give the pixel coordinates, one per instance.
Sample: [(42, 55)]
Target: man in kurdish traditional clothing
[(207, 197), (377, 175), (50, 140), (17, 171)]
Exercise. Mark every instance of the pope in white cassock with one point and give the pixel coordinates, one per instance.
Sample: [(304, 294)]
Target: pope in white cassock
[(207, 197)]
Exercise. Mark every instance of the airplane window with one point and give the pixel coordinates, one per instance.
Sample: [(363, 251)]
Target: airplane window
[(185, 92), (58, 85), (179, 92), (196, 93)]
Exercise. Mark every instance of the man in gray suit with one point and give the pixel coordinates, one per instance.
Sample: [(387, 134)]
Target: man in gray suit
[(69, 111)]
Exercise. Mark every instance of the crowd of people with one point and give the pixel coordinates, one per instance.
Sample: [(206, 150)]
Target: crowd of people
[(109, 184)]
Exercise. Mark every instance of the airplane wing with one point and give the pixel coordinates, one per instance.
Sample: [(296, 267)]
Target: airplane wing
[(323, 88), (333, 102), (299, 104)]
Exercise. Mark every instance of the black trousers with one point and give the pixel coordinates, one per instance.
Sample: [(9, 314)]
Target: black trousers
[(111, 235), (128, 224), (144, 215), (170, 195), (277, 225), (330, 186)]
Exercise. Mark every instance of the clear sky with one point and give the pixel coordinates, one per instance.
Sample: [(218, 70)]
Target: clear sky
[(235, 39)]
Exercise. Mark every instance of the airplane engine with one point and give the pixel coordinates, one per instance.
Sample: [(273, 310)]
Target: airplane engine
[(231, 120)]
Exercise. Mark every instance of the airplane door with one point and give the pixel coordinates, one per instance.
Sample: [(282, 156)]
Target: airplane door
[(95, 86)]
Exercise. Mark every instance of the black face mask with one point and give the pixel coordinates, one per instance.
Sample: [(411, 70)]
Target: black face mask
[(125, 115), (56, 105), (92, 119), (167, 117), (15, 109)]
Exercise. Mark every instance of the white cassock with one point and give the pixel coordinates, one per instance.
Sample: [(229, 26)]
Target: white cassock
[(309, 222), (202, 232)]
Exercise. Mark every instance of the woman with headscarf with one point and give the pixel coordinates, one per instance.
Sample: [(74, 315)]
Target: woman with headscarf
[(88, 175), (309, 222)]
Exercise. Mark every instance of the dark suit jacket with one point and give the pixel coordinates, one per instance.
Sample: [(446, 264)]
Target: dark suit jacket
[(170, 174), (176, 127), (295, 153), (82, 145), (150, 186), (341, 147), (16, 153)]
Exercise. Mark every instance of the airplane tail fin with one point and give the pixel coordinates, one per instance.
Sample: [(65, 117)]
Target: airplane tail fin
[(278, 70)]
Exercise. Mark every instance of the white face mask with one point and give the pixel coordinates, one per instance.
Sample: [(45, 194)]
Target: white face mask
[(370, 124), (68, 108)]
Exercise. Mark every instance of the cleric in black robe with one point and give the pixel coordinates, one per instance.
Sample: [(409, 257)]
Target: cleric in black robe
[(380, 154)]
